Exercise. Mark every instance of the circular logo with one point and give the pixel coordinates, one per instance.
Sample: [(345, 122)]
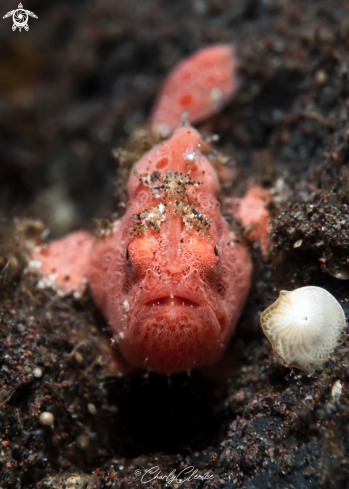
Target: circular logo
[(20, 18)]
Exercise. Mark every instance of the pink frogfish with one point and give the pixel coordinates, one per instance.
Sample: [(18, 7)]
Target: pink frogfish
[(169, 276)]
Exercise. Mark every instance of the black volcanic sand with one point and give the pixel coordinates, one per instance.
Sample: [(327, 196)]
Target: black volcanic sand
[(75, 87)]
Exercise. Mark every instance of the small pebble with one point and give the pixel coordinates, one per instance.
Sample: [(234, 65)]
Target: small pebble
[(47, 418), (37, 372), (92, 408), (337, 389), (78, 357), (321, 77), (74, 482), (82, 441)]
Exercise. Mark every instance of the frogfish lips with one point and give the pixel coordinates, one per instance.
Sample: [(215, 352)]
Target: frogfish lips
[(170, 334)]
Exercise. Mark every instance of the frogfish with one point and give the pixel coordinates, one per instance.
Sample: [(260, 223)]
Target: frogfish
[(170, 276)]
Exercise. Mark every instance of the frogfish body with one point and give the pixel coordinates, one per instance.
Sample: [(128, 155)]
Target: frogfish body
[(169, 276)]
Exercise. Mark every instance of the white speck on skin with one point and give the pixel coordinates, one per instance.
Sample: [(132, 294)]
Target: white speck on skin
[(116, 225), (216, 94), (34, 264), (191, 156)]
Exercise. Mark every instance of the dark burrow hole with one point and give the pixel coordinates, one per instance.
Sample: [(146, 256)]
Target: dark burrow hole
[(168, 415), (141, 416), (147, 415)]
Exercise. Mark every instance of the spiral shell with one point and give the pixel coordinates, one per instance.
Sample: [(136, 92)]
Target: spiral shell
[(303, 327)]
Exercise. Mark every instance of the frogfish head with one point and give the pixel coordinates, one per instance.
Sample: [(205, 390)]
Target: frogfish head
[(176, 322), (177, 279)]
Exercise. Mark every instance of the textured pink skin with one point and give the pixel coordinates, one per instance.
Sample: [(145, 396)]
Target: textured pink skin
[(171, 301), (201, 84), (252, 212), (197, 296), (64, 262)]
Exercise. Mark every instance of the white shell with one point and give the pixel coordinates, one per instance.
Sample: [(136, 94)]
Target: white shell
[(303, 326)]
